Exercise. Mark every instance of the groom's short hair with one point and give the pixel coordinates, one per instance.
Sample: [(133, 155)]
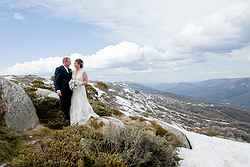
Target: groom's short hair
[(65, 59)]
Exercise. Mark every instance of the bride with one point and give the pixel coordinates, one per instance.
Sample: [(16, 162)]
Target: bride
[(80, 110)]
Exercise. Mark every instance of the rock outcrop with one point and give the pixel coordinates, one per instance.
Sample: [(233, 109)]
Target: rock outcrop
[(46, 93), (17, 108), (105, 124)]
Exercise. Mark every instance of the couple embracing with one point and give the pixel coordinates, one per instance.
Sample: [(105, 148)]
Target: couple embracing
[(70, 87)]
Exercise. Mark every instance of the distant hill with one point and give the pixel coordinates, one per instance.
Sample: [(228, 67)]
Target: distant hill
[(227, 91)]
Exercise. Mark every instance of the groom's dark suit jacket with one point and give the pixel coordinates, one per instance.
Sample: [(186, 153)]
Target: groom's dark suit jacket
[(62, 78)]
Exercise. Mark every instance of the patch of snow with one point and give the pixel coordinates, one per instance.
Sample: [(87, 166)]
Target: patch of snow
[(13, 79), (214, 152), (123, 101), (9, 77), (111, 90), (125, 106), (48, 82), (46, 93), (126, 90), (130, 107)]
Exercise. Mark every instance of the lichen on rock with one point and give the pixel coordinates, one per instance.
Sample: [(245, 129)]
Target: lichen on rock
[(19, 111)]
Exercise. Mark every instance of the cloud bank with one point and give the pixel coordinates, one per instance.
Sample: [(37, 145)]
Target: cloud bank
[(165, 35), (221, 32), (127, 56)]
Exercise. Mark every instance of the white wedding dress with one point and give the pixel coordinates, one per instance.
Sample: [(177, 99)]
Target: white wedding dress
[(80, 110)]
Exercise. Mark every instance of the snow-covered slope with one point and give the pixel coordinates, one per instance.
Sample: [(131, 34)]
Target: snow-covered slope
[(211, 119), (214, 152), (207, 151)]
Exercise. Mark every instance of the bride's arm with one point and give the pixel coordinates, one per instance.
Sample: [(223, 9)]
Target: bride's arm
[(85, 78)]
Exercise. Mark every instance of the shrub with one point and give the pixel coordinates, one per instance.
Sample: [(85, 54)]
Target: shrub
[(170, 137), (9, 144), (154, 128), (3, 108), (64, 148), (101, 85), (211, 132), (91, 92), (137, 148), (58, 122), (40, 84), (49, 113), (83, 146), (103, 109)]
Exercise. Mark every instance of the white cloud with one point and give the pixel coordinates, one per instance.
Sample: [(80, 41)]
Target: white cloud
[(125, 56), (221, 32), (38, 67), (18, 16)]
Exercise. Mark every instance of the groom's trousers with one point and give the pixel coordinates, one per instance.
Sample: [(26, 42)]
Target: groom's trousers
[(65, 104)]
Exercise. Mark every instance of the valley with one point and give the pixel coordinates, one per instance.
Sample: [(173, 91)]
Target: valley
[(230, 91), (200, 117)]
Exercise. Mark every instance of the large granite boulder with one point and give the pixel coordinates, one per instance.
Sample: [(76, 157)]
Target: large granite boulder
[(17, 108)]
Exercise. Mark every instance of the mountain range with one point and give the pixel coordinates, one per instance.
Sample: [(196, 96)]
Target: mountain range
[(234, 91), (201, 117)]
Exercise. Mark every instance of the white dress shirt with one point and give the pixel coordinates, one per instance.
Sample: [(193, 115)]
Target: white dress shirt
[(66, 69)]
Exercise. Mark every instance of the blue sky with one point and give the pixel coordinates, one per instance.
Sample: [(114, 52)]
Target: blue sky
[(133, 40), (37, 35)]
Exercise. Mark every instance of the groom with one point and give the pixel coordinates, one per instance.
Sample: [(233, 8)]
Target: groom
[(63, 75)]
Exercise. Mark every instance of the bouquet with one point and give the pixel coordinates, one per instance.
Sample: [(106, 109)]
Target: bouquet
[(74, 84)]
